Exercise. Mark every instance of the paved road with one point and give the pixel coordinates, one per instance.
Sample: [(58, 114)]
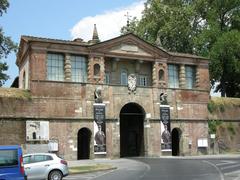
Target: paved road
[(229, 168), (127, 169), (168, 169)]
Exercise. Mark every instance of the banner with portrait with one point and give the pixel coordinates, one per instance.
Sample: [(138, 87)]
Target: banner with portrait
[(166, 139), (99, 128)]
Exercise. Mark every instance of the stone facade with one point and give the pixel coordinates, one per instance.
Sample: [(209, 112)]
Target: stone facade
[(68, 105)]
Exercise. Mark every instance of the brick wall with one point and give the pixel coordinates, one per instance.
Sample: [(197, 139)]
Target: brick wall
[(12, 131), (227, 112)]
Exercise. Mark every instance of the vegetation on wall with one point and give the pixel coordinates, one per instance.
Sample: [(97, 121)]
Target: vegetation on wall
[(14, 93), (231, 129), (213, 126), (228, 128), (218, 104)]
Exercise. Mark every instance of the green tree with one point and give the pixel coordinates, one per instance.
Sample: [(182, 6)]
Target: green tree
[(225, 64), (219, 40), (6, 45), (168, 24), (202, 27)]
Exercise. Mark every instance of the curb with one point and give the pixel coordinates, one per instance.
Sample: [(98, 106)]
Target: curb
[(90, 171)]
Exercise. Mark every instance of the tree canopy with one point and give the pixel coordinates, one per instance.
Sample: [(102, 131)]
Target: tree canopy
[(201, 27), (6, 45)]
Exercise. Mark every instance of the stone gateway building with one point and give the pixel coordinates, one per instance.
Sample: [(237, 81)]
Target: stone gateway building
[(102, 99)]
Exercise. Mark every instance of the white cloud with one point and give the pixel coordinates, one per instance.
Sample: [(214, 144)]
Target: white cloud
[(108, 23)]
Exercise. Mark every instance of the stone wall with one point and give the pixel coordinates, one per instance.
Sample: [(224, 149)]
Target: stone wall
[(69, 107), (12, 131), (191, 131), (224, 121)]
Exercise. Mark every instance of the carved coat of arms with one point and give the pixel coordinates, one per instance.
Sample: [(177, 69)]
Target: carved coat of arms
[(132, 82)]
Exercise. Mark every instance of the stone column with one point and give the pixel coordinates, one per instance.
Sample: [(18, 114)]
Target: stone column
[(197, 83), (182, 77), (146, 133), (102, 70), (155, 74), (67, 68), (90, 70), (138, 66)]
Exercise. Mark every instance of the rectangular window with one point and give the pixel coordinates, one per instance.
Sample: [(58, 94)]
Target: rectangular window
[(55, 67), (173, 76), (143, 80), (124, 77), (190, 74), (79, 69)]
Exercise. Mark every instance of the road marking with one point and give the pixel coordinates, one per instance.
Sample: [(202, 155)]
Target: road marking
[(103, 174), (237, 172), (148, 168), (237, 178), (74, 178), (218, 170), (225, 163), (229, 167)]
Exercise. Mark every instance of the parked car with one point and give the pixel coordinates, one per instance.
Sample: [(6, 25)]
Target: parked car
[(44, 166), (11, 163)]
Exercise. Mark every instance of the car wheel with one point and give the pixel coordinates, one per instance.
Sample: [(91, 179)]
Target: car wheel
[(55, 175)]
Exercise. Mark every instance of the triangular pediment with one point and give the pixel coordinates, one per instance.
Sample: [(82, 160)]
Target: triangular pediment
[(129, 45)]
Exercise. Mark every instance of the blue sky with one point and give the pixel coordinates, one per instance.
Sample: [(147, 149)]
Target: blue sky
[(64, 19)]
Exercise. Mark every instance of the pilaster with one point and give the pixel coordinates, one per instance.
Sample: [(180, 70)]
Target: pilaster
[(197, 83), (67, 68), (154, 74), (182, 76)]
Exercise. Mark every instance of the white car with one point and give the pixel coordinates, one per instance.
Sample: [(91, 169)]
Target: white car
[(44, 166)]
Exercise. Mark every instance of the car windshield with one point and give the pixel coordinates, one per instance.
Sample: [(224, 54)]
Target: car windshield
[(8, 158)]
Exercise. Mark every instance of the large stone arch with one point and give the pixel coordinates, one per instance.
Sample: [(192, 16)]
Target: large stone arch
[(132, 117)]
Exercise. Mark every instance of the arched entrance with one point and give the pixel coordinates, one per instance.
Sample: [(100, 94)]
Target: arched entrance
[(176, 133), (131, 130), (84, 139)]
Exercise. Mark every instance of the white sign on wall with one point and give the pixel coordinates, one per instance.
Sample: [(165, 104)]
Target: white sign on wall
[(202, 142), (52, 145), (37, 130), (212, 136)]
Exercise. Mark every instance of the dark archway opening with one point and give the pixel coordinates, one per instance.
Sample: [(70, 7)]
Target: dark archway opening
[(131, 130), (84, 139), (176, 133), (34, 135)]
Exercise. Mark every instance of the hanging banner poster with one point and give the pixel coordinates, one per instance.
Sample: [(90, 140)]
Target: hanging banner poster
[(99, 128), (166, 139)]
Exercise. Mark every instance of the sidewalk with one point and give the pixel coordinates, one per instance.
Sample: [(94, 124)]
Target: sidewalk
[(93, 165), (118, 163), (123, 162)]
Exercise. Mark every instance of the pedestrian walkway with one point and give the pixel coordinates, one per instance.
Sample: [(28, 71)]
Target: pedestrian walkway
[(123, 162), (118, 163)]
